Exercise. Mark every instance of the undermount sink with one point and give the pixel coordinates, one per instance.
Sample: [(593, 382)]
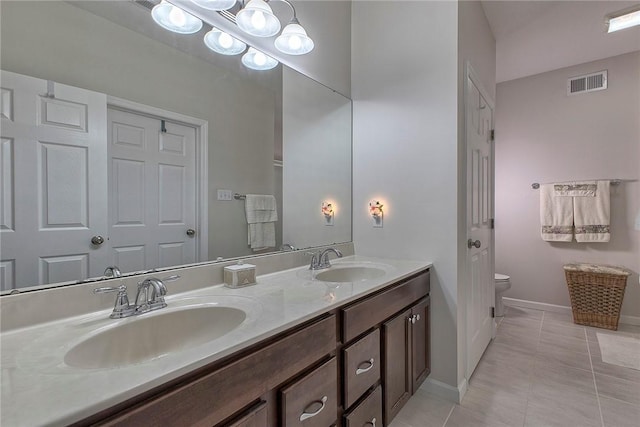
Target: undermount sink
[(146, 337), (339, 273)]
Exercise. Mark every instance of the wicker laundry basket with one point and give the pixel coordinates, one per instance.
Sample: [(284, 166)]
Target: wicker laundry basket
[(596, 293)]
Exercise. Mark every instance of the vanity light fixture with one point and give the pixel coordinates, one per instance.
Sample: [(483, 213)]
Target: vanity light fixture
[(375, 209), (223, 43), (257, 19), (257, 60), (174, 19), (623, 19), (328, 212), (294, 39)]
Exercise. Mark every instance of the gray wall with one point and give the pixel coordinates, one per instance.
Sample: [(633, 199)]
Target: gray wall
[(317, 162), (404, 91), (543, 135), (69, 45), (407, 151)]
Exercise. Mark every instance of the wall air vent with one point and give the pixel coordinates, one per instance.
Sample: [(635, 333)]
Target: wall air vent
[(587, 83)]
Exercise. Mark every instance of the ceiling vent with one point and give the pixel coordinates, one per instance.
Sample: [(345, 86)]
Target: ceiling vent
[(587, 83)]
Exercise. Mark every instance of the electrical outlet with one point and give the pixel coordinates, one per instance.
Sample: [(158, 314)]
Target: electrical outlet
[(225, 195)]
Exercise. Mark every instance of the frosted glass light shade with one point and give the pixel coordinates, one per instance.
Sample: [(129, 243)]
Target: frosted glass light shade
[(621, 22), (257, 19), (294, 40), (215, 4), (221, 42), (257, 60), (174, 19)]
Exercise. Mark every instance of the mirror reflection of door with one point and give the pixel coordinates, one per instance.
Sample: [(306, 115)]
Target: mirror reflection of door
[(54, 150), (69, 150), (152, 191)]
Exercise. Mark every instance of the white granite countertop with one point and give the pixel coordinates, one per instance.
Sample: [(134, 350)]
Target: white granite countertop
[(39, 388)]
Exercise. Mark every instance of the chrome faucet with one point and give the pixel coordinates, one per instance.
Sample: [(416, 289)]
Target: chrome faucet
[(320, 259), (150, 296), (112, 272)]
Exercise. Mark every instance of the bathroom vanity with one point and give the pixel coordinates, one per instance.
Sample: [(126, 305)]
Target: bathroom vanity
[(309, 352)]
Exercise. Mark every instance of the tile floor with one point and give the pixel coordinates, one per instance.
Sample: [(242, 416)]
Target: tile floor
[(541, 370)]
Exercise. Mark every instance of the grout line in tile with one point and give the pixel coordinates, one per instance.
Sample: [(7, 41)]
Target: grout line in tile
[(449, 416), (593, 374), (533, 371)]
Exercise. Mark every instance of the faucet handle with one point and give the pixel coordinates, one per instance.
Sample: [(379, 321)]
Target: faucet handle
[(107, 289), (121, 308)]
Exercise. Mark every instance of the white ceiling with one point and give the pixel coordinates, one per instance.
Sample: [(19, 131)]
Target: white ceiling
[(537, 36)]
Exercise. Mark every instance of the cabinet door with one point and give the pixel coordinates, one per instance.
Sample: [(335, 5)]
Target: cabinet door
[(397, 364), (420, 349)]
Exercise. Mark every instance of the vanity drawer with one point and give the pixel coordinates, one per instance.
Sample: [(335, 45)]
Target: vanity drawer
[(362, 366), (312, 401), (365, 314), (368, 413)]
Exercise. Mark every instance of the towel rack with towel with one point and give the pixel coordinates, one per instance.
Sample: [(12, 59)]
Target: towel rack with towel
[(616, 181)]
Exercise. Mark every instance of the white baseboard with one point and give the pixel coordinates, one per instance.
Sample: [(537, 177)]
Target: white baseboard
[(444, 390), (629, 320)]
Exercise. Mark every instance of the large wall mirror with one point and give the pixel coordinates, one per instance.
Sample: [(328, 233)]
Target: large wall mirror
[(126, 144)]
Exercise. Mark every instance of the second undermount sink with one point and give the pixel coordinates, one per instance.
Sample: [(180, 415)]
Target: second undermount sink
[(146, 337), (349, 273)]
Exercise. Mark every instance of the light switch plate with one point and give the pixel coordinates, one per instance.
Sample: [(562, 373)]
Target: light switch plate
[(225, 195)]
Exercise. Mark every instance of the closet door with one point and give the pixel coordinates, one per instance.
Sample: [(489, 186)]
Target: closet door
[(53, 149), (152, 191)]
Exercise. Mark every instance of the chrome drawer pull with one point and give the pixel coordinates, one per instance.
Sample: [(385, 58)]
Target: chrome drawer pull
[(306, 415), (363, 370), (372, 422)]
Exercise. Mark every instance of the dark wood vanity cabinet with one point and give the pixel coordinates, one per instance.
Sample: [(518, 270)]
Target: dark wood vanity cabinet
[(400, 317), (354, 366)]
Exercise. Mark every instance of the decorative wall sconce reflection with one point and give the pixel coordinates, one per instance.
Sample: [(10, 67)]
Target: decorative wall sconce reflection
[(328, 212), (254, 17), (375, 209)]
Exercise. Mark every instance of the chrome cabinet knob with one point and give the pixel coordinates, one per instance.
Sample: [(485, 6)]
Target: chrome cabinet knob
[(191, 232), (97, 240), (473, 244)]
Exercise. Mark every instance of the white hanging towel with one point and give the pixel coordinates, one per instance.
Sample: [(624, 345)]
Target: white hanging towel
[(556, 215), (592, 215), (261, 215)]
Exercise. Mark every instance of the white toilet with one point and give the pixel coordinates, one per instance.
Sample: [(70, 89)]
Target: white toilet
[(503, 283)]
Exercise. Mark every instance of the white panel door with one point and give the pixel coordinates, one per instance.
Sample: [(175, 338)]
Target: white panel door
[(53, 149), (152, 191), (481, 290)]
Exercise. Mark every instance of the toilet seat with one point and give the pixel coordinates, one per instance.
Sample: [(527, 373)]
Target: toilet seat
[(501, 277)]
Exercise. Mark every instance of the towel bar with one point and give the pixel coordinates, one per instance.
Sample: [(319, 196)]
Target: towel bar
[(238, 196), (536, 185)]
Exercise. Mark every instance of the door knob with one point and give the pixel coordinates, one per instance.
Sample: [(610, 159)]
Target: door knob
[(472, 244), (191, 232), (97, 240)]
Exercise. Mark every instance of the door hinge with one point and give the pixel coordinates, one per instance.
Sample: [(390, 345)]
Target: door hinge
[(493, 312), (492, 223), (493, 134)]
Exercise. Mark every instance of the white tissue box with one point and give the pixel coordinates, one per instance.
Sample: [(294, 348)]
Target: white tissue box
[(239, 275)]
